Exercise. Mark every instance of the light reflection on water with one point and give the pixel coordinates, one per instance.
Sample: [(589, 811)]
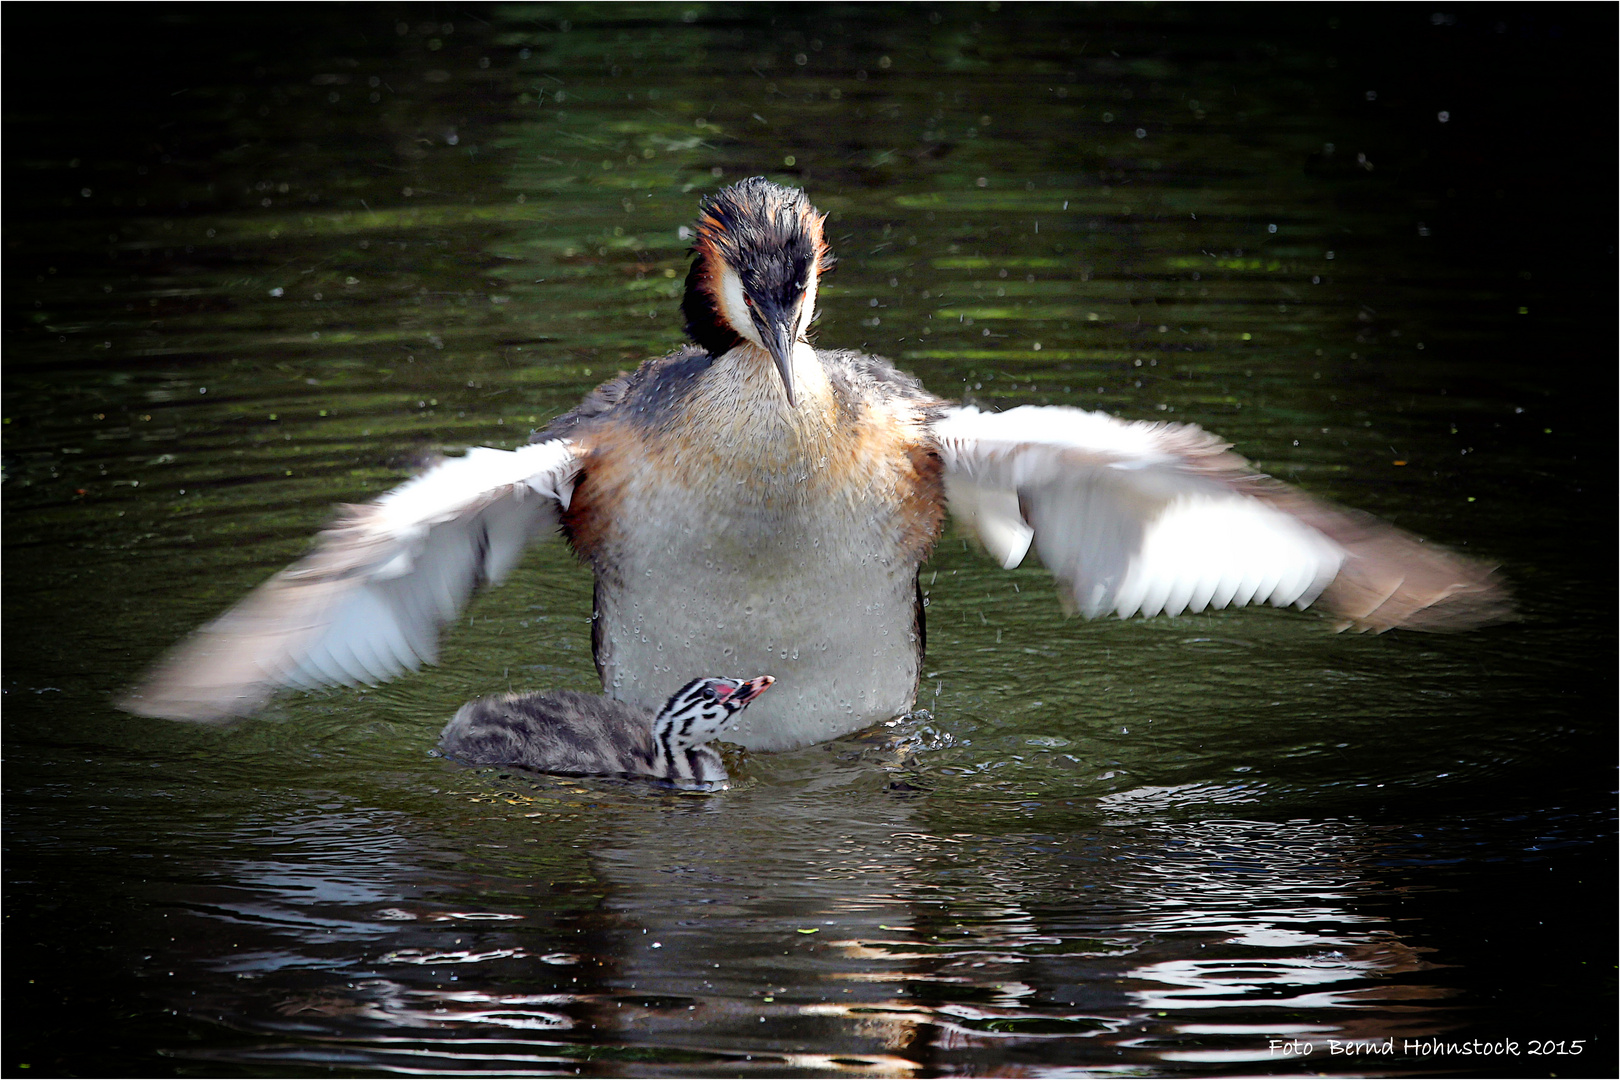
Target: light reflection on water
[(719, 942), (1139, 846)]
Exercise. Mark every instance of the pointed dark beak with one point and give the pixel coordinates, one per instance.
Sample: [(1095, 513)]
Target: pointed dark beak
[(751, 689), (776, 330)]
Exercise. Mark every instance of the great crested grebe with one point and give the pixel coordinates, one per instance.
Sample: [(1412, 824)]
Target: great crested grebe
[(565, 731), (750, 501)]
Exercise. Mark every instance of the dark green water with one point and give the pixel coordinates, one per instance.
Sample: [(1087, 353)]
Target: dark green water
[(261, 262)]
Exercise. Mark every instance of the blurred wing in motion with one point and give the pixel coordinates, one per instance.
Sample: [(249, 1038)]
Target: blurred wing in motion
[(367, 604), (1161, 518)]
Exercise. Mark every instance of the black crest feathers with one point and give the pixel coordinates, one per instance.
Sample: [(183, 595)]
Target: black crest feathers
[(770, 236)]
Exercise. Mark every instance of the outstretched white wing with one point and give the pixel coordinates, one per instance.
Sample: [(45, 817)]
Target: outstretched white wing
[(1160, 518), (368, 602)]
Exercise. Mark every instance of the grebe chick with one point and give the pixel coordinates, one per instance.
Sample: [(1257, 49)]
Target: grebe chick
[(565, 731)]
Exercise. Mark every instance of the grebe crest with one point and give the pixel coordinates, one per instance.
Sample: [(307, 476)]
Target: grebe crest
[(759, 254)]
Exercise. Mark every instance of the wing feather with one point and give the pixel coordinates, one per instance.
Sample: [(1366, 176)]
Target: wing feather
[(368, 602), (1149, 518)]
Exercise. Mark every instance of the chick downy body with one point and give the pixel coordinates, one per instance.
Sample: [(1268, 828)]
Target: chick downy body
[(565, 731)]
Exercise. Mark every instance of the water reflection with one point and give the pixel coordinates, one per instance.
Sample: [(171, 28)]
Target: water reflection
[(729, 929)]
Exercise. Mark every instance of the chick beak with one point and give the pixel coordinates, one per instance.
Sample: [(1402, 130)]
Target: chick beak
[(751, 689)]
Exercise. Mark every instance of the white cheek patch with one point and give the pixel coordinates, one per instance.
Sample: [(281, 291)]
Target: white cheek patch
[(734, 307), (807, 310)]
